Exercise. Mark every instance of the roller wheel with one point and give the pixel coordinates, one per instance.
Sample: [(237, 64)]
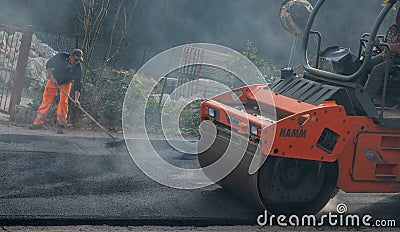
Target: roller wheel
[(295, 186)]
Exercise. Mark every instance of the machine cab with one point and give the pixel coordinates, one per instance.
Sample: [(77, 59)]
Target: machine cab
[(351, 72)]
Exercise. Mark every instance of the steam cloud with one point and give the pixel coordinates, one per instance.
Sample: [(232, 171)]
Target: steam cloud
[(160, 25)]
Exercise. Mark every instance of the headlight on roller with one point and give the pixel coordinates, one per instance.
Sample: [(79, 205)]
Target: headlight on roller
[(213, 113), (255, 130)]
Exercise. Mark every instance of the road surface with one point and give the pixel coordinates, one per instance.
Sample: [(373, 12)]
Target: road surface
[(74, 179)]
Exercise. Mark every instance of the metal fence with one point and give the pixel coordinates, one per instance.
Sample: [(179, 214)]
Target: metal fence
[(14, 50)]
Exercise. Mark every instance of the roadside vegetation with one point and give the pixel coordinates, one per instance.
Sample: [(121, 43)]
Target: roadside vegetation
[(105, 86), (104, 91)]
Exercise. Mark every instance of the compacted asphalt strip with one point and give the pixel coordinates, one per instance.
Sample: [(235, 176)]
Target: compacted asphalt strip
[(72, 179), (75, 179)]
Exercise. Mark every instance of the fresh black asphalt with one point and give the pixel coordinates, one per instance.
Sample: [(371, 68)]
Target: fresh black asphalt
[(74, 180), (56, 180)]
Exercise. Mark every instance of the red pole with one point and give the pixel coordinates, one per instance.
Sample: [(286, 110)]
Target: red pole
[(19, 78)]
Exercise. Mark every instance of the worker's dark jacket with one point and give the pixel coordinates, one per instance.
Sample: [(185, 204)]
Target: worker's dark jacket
[(64, 72)]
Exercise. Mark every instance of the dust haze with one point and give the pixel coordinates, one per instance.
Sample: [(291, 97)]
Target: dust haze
[(160, 25)]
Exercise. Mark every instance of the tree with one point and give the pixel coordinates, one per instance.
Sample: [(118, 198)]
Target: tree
[(93, 17), (112, 55), (101, 91)]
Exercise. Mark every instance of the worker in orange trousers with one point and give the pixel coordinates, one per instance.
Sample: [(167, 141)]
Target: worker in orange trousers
[(64, 71)]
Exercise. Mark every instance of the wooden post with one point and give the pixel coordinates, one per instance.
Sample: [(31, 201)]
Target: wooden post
[(19, 78)]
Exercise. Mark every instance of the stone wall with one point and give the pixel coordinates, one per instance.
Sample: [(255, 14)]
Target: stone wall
[(38, 55)]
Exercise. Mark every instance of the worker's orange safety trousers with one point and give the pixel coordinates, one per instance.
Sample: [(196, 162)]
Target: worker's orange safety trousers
[(49, 93)]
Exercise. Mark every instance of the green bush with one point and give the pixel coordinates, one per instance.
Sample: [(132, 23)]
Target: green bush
[(103, 97), (269, 71)]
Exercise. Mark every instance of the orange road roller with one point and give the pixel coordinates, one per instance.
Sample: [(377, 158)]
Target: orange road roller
[(289, 146)]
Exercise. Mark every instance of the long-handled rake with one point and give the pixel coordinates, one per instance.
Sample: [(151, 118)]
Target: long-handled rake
[(115, 142)]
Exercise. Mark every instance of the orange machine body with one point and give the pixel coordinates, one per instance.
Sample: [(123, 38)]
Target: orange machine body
[(368, 154)]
